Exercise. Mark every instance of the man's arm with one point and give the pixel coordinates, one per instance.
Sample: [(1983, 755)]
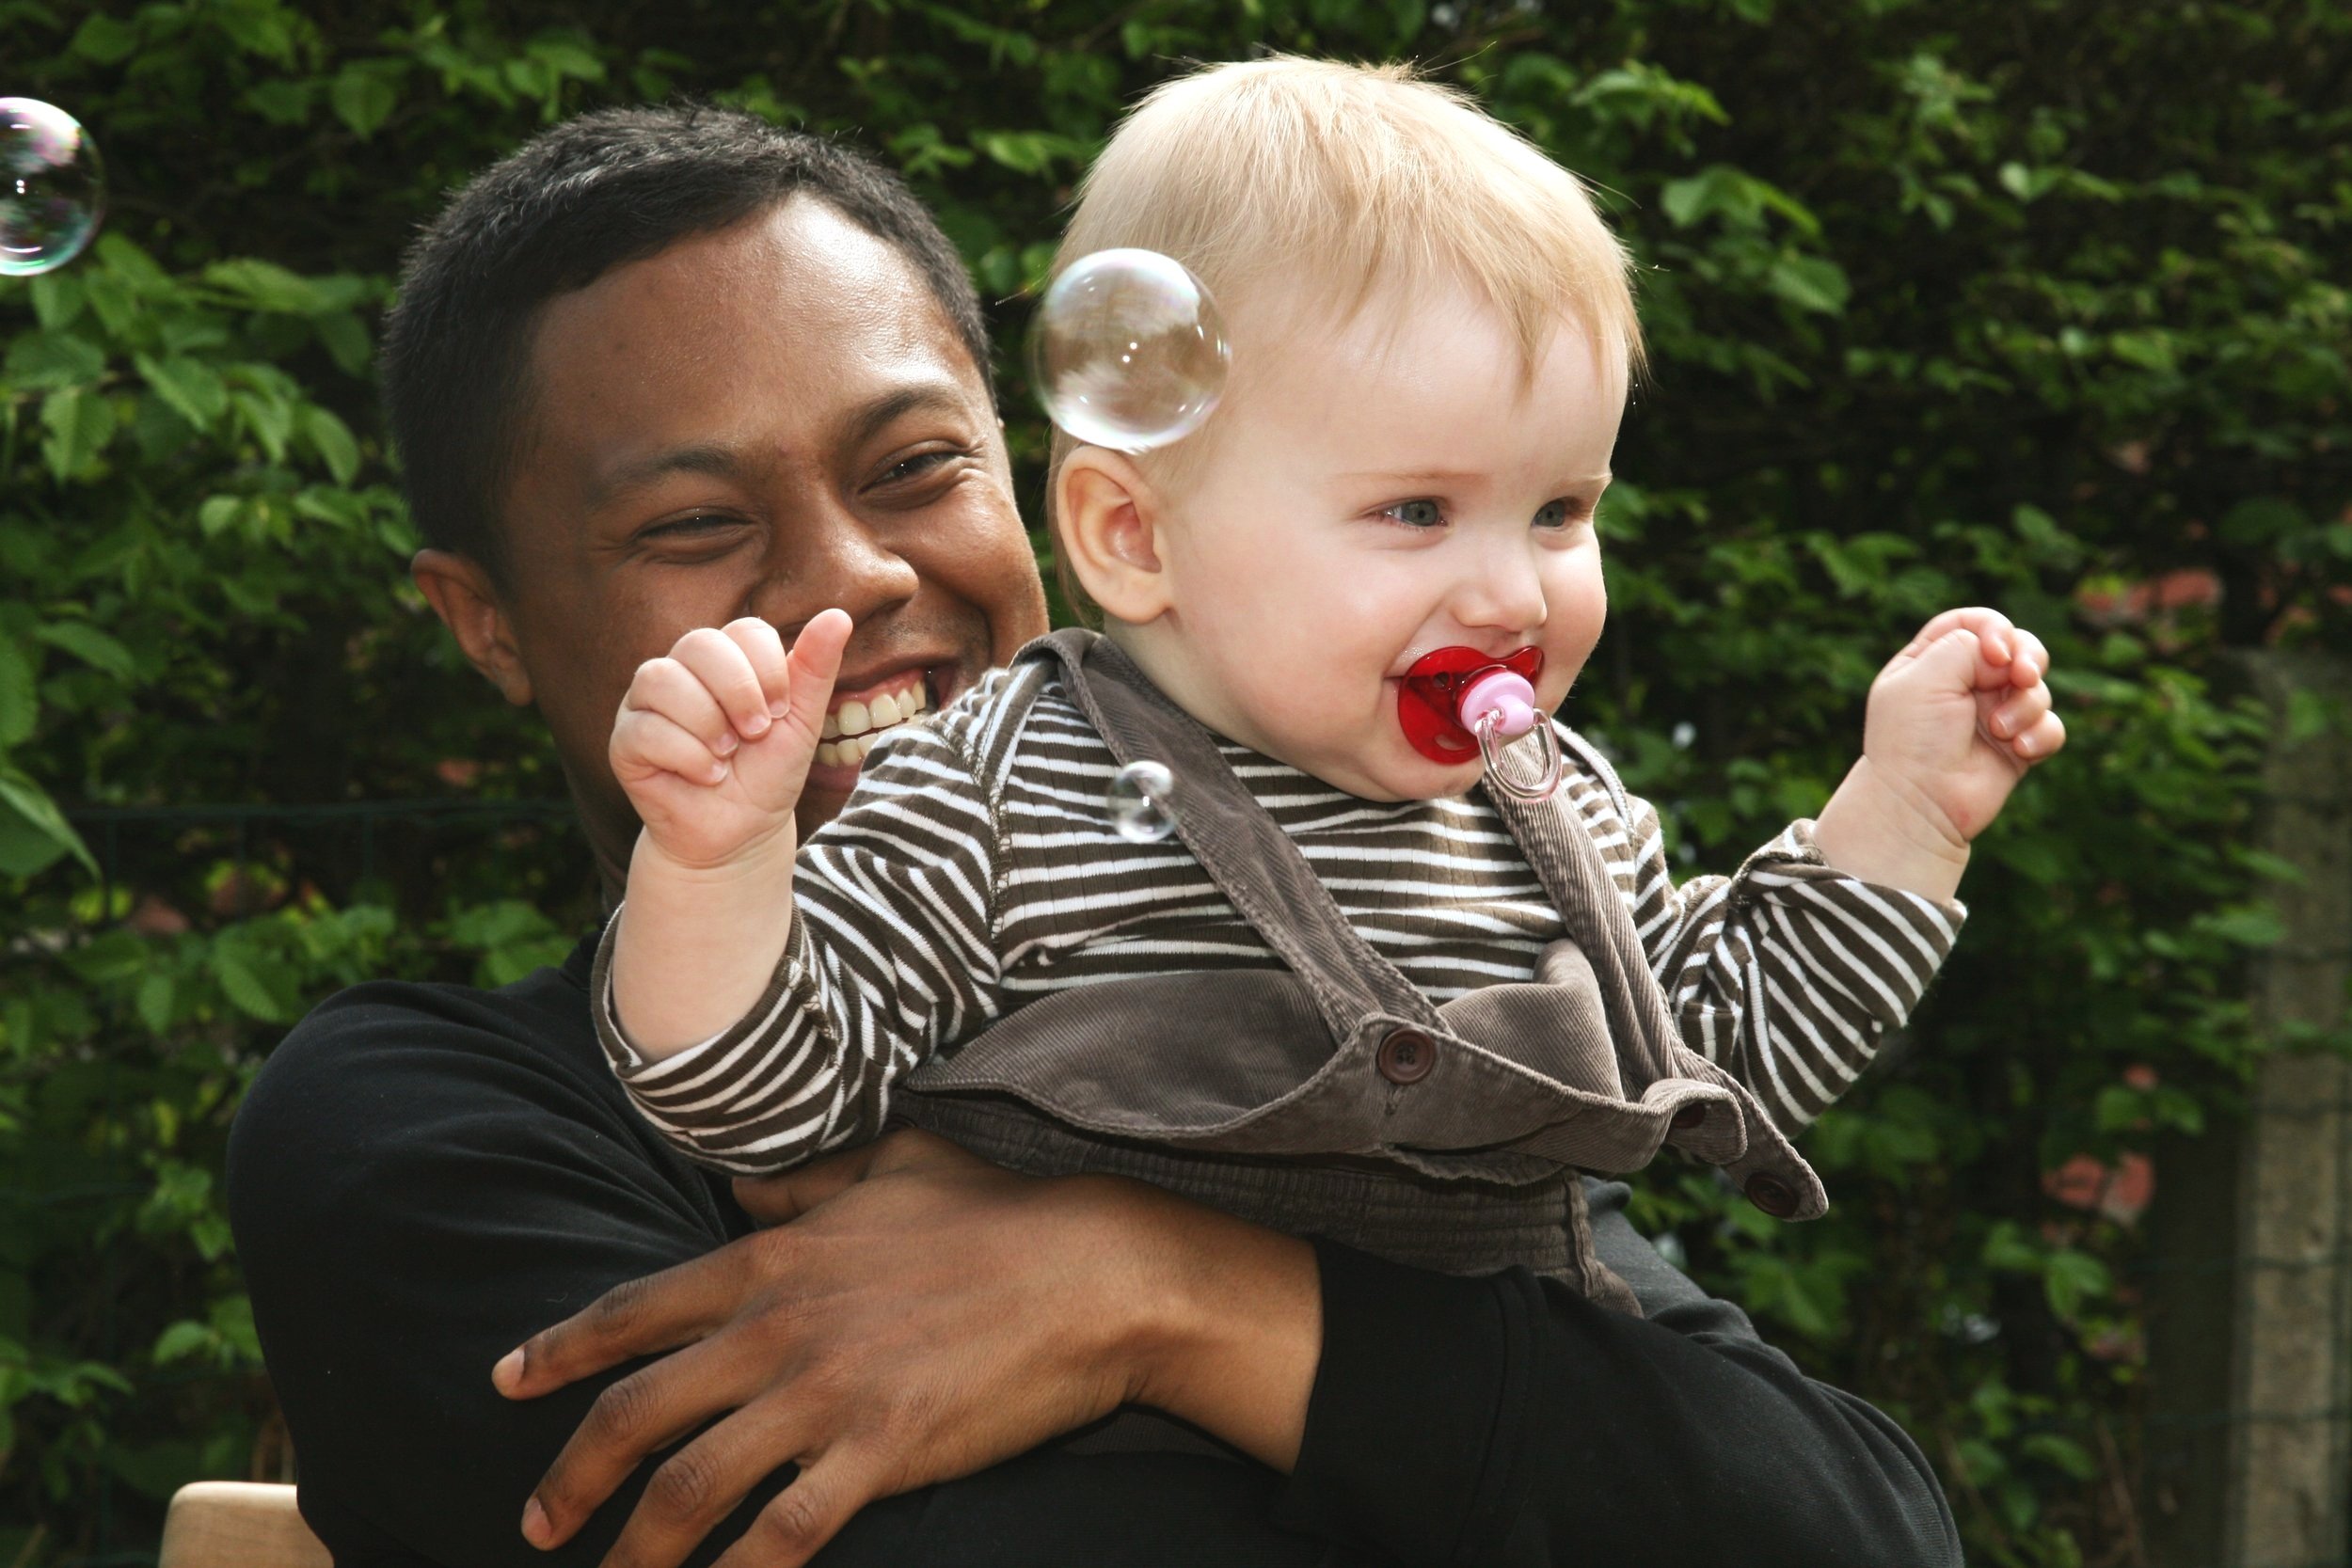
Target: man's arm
[(1508, 1421), (1434, 1419), (416, 1186)]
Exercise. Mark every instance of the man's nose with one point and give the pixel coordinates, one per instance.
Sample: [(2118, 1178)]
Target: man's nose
[(826, 557)]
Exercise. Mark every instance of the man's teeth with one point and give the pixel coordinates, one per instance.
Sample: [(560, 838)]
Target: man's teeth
[(852, 729)]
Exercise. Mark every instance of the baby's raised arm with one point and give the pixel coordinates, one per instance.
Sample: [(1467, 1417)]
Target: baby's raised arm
[(1790, 971), (713, 745)]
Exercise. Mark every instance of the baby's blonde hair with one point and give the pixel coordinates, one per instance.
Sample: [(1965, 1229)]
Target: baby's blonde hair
[(1356, 177)]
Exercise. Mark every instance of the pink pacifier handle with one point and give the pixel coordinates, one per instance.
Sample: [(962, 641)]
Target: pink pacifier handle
[(1498, 707), (1507, 695)]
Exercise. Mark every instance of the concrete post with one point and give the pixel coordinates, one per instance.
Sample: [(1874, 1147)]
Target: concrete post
[(2290, 1451)]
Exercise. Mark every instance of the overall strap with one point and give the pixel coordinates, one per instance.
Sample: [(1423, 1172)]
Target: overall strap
[(1564, 856), (1236, 840)]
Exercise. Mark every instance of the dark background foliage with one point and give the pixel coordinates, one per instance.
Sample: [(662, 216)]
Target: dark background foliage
[(2034, 303)]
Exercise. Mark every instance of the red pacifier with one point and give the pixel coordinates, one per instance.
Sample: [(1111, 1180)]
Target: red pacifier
[(1456, 704)]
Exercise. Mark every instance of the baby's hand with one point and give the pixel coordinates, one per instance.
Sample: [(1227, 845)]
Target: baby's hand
[(714, 740), (1958, 715)]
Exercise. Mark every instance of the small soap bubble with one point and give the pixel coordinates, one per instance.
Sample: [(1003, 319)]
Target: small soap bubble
[(52, 187), (1142, 802), (1128, 351)]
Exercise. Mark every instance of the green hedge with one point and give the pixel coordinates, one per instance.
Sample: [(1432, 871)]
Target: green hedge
[(2010, 301)]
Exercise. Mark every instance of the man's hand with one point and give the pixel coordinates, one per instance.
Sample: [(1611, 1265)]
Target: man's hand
[(914, 1315), (1954, 721)]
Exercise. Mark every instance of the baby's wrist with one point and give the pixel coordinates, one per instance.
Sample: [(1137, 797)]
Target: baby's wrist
[(755, 862), (1882, 827)]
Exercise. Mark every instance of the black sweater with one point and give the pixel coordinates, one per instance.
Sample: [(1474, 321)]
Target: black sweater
[(423, 1176)]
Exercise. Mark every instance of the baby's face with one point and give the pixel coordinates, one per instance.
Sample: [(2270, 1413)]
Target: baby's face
[(1377, 491)]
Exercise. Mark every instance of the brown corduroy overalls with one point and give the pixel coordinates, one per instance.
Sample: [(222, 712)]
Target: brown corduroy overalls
[(1334, 1098)]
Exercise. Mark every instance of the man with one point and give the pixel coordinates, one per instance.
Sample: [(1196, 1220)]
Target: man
[(660, 370)]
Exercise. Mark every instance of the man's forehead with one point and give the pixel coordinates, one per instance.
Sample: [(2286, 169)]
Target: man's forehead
[(796, 321)]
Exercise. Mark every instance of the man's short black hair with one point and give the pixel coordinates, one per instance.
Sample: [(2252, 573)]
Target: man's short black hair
[(610, 187)]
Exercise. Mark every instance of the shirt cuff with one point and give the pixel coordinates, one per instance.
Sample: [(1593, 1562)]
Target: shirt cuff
[(629, 1061)]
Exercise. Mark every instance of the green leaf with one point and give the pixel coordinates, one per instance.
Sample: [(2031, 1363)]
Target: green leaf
[(193, 389), (2073, 1278), (20, 696), (48, 361), (182, 1339), (103, 39), (243, 987), (362, 98), (266, 286), (153, 999), (333, 441), (26, 807), (1811, 283), (79, 423), (92, 647)]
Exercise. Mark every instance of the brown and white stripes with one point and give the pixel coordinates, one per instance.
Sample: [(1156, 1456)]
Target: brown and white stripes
[(975, 868)]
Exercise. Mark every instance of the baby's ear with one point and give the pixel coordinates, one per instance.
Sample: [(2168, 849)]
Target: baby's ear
[(1106, 524)]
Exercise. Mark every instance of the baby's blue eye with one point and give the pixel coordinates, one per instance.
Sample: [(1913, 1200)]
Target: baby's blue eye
[(1417, 513), (1552, 514)]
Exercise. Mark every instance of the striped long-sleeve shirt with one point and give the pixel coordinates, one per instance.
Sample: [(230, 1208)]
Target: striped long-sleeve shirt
[(940, 899)]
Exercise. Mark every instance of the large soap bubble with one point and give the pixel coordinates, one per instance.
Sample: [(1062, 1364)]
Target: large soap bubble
[(52, 187), (1128, 351), (1142, 802)]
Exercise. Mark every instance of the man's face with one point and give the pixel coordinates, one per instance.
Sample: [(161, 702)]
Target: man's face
[(768, 421)]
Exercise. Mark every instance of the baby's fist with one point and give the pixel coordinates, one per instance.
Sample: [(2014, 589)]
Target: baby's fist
[(713, 741), (1961, 712)]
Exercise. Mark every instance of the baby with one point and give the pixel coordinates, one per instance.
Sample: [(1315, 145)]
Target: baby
[(1432, 1003)]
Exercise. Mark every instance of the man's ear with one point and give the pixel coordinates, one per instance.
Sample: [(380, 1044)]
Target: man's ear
[(1106, 524), (462, 594)]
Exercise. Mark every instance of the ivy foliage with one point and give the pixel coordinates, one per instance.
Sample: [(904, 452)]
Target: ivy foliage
[(1949, 302)]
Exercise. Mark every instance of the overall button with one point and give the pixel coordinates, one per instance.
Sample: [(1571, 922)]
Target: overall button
[(1406, 1057), (1772, 1195), (1689, 1117)]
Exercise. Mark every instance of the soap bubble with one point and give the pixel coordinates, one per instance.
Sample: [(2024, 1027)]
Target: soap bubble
[(52, 187), (1128, 351), (1142, 802)]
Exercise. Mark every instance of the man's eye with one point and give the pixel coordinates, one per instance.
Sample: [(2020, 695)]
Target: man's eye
[(917, 467), (1416, 514), (681, 528)]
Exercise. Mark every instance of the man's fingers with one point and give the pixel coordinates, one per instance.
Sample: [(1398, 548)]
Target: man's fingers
[(640, 1414), (785, 1196), (696, 1487), (637, 1317), (798, 1520)]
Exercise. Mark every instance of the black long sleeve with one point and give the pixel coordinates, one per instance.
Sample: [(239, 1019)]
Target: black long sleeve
[(1507, 1421)]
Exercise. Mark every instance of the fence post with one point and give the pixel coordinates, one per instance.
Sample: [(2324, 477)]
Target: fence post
[(2288, 1460)]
